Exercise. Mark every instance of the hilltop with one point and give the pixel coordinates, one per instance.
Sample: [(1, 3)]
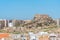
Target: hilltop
[(40, 22)]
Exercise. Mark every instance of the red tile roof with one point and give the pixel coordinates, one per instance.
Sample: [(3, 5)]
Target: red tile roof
[(4, 35)]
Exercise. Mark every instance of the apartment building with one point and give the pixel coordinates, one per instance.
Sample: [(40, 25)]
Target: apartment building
[(10, 23), (3, 23)]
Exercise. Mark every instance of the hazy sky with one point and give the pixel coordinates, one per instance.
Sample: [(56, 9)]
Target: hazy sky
[(26, 9)]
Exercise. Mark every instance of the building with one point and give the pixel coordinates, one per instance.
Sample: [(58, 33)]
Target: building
[(3, 23), (32, 36), (17, 22), (10, 24), (27, 21), (25, 37), (6, 23), (58, 36), (52, 36), (15, 36), (42, 36), (4, 36)]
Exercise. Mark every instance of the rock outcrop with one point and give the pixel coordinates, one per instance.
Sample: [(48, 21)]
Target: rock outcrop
[(40, 20)]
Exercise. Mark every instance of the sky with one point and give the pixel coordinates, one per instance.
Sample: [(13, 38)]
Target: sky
[(26, 9)]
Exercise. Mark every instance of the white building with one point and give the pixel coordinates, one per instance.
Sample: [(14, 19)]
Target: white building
[(15, 36), (52, 36), (32, 36), (10, 24)]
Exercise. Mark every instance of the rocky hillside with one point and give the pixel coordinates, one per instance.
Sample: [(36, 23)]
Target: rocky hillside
[(40, 22)]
